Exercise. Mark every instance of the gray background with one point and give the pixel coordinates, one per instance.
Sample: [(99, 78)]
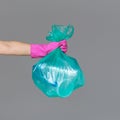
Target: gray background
[(95, 44)]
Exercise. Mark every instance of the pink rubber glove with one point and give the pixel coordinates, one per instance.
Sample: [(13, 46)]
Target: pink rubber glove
[(41, 50)]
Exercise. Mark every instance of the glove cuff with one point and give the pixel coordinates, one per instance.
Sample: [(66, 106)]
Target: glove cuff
[(38, 50)]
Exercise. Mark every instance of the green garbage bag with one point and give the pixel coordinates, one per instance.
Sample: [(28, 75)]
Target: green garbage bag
[(58, 74)]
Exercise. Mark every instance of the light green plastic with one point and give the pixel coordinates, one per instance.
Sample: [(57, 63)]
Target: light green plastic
[(58, 74), (60, 32)]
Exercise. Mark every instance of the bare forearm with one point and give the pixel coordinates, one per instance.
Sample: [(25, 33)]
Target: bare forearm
[(14, 48)]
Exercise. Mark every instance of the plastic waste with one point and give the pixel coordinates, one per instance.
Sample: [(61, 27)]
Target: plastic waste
[(58, 74)]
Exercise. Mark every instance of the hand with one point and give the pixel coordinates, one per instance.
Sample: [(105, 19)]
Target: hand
[(53, 45), (41, 50)]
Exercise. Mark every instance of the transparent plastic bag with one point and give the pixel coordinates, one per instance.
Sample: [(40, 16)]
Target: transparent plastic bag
[(58, 74)]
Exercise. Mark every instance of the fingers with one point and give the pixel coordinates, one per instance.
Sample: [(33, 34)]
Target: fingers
[(63, 42), (63, 45), (53, 45), (64, 50)]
